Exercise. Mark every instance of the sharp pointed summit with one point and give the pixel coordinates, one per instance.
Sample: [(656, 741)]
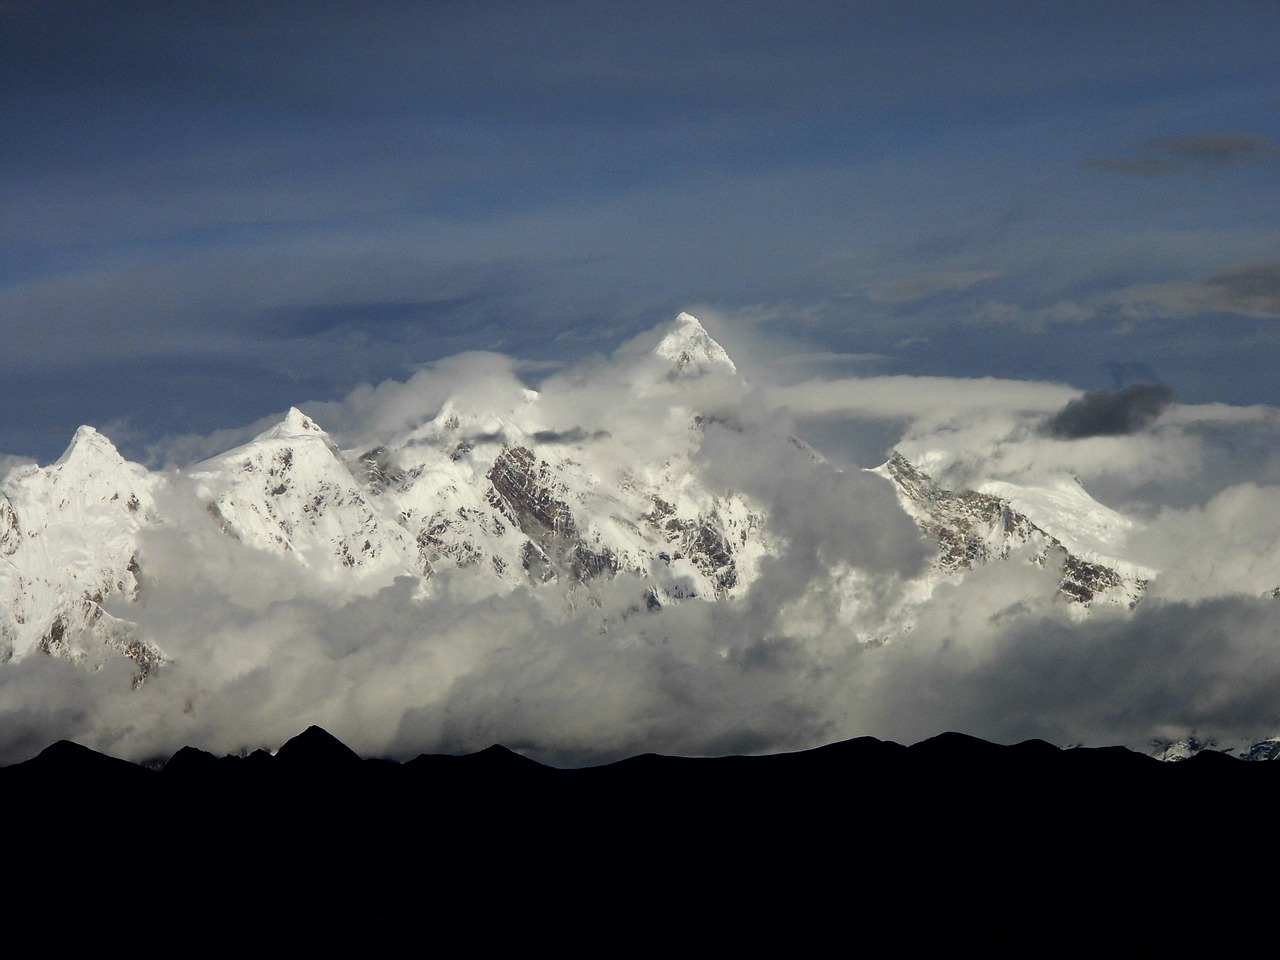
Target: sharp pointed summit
[(295, 424), (88, 442), (290, 491), (691, 350)]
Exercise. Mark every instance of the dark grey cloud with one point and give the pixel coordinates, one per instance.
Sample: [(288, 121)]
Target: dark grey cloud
[(1180, 668), (1202, 154), (573, 435), (1249, 288), (921, 285), (1110, 413), (1217, 148)]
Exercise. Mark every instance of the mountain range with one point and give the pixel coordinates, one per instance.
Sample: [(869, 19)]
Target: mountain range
[(505, 491), (495, 490)]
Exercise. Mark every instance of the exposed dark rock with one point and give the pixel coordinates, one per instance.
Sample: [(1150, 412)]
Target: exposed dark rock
[(10, 532), (525, 490), (699, 540)]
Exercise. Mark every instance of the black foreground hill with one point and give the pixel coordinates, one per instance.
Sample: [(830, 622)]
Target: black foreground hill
[(953, 833)]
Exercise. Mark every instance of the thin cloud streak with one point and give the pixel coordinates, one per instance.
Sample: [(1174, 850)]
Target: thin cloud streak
[(922, 285), (1203, 154)]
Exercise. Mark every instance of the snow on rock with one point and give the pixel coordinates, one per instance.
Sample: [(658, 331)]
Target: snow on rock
[(503, 493), (1251, 750), (1063, 508)]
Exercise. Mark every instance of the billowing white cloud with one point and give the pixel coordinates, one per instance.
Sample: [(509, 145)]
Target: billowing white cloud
[(8, 463)]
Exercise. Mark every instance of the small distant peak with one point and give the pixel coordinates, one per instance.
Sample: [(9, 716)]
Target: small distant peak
[(691, 350), (295, 424), (88, 441)]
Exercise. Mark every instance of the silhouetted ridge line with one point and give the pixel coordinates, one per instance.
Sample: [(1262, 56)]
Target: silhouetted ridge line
[(69, 759)]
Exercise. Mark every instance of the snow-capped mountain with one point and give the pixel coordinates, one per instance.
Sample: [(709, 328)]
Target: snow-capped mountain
[(68, 539), (691, 350), (501, 490)]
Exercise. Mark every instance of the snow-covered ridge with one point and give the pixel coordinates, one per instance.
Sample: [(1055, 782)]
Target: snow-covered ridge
[(979, 526), (1064, 509), (290, 491)]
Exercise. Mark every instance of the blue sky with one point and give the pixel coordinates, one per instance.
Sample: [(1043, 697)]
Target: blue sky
[(210, 212)]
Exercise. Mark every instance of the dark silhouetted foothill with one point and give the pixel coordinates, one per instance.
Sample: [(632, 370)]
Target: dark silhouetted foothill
[(752, 852), (68, 759)]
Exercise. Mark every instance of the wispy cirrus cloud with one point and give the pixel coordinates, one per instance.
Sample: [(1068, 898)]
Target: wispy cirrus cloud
[(1250, 289), (918, 286), (1202, 154), (1247, 289)]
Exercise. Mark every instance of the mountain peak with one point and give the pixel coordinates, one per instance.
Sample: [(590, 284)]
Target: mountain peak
[(88, 441), (295, 424), (691, 350)]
